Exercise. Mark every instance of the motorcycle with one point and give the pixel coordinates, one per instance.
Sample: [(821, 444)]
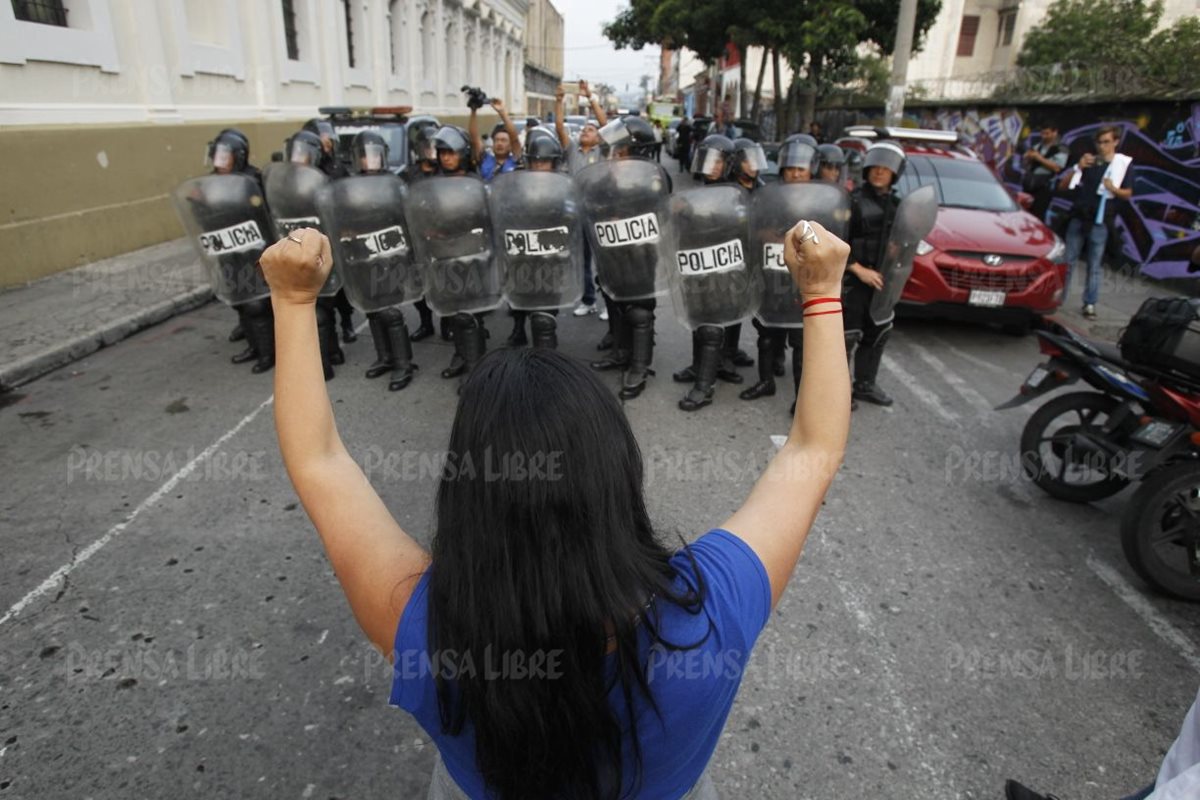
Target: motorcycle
[(1139, 424)]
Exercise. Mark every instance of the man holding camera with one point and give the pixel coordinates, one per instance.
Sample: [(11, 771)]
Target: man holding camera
[(505, 153)]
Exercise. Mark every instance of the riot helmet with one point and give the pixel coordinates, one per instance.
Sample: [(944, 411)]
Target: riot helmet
[(420, 142), (324, 129), (368, 153), (228, 152), (802, 137), (749, 160), (832, 163), (453, 150), (797, 161), (304, 147), (884, 154), (543, 152), (712, 159), (628, 136)]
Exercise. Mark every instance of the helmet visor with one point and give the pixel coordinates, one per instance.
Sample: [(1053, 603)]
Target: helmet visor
[(709, 163), (220, 157), (797, 154), (304, 153), (615, 134), (371, 157), (754, 160)]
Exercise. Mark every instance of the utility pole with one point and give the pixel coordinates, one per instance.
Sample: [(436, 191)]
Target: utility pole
[(904, 42)]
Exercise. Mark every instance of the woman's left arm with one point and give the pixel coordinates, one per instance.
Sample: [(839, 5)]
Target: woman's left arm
[(376, 562)]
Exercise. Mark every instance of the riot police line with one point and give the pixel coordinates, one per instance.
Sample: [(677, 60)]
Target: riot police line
[(438, 238)]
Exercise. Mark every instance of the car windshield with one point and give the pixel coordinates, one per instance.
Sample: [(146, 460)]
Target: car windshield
[(959, 184)]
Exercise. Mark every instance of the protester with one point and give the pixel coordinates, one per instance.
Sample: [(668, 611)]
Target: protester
[(513, 563), (505, 152), (1042, 163), (580, 154)]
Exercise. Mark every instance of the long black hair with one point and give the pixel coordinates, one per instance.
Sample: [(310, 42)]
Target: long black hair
[(544, 546)]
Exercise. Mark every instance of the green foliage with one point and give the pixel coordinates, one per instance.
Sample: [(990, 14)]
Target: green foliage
[(1173, 56), (1091, 32)]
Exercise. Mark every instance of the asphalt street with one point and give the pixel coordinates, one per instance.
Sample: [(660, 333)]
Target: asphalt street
[(170, 626)]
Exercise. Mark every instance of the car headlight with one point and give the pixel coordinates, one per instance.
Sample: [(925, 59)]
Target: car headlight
[(924, 248), (1057, 251)]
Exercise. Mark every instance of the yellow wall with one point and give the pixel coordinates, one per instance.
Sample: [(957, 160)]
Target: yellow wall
[(74, 194)]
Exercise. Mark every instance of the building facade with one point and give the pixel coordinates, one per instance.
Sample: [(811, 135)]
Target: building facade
[(129, 91), (544, 39)]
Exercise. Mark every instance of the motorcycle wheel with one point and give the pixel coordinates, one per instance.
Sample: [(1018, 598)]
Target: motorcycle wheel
[(1154, 527), (1090, 410)]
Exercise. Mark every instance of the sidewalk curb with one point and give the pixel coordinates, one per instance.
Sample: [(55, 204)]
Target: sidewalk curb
[(52, 358)]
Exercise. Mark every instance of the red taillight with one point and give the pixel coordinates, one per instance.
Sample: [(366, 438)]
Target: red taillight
[(1049, 348)]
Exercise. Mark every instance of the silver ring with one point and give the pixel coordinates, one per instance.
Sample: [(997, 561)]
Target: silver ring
[(294, 239), (809, 234)]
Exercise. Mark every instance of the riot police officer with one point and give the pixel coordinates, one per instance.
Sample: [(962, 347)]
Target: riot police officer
[(746, 168), (797, 164), (631, 322), (393, 346), (712, 163), (328, 162), (542, 153), (873, 209), (831, 164), (424, 165), (229, 153)]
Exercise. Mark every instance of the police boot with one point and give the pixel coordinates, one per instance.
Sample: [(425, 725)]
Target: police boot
[(615, 325), (326, 336), (700, 395), (346, 314), (260, 331), (400, 345), (470, 334), (866, 368), (238, 334), (688, 373), (618, 356), (243, 326), (425, 327), (544, 328), (779, 357), (766, 371), (384, 358), (517, 337), (457, 364), (733, 335), (446, 329), (640, 322)]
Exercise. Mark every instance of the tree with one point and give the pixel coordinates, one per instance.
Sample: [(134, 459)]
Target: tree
[(1173, 56), (1091, 33)]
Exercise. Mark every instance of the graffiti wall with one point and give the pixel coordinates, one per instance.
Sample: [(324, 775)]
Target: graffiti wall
[(1159, 227)]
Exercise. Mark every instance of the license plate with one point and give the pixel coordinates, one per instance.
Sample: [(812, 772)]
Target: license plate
[(981, 297), (1036, 377), (1155, 433)]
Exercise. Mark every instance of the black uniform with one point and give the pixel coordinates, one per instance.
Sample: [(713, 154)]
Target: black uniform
[(871, 220)]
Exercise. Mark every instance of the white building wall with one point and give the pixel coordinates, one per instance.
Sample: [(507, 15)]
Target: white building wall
[(131, 61)]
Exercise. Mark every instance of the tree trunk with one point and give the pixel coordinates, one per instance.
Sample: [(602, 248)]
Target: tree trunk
[(779, 121), (816, 67), (743, 89), (756, 111)]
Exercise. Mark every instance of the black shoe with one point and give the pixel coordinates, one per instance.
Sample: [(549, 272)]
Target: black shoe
[(401, 377), (606, 343), (696, 399), (1017, 791), (685, 375), (378, 368), (264, 364), (348, 334), (457, 367), (760, 389), (237, 334), (741, 359), (423, 331), (871, 393), (618, 359), (249, 354), (337, 357), (730, 375)]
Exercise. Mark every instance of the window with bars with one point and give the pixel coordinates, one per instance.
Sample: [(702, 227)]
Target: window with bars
[(291, 34), (47, 12), (349, 33), (967, 34)]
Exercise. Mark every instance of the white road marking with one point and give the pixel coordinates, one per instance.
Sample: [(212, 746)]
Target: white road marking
[(60, 574), (965, 390), (913, 384), (976, 360), (1149, 614)]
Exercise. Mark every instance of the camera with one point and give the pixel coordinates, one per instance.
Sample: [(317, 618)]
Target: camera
[(476, 99)]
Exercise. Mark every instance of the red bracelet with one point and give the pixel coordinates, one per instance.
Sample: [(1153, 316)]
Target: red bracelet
[(819, 300), (821, 313)]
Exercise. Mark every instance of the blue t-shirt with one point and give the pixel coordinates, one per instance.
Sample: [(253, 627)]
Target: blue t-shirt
[(694, 689), (490, 167)]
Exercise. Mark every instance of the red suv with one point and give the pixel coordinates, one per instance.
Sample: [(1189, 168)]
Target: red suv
[(986, 259)]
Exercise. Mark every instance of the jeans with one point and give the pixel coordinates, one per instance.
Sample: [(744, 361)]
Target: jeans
[(1097, 238)]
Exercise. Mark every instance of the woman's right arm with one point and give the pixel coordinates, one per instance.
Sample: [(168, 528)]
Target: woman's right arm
[(777, 516)]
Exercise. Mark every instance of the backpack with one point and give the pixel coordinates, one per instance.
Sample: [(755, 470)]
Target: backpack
[(1165, 334)]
